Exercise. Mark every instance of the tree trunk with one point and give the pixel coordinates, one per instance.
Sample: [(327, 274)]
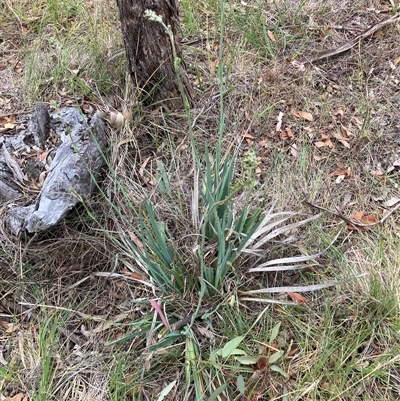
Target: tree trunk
[(149, 50)]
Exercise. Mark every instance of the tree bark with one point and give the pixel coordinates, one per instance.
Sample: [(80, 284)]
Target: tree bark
[(149, 50)]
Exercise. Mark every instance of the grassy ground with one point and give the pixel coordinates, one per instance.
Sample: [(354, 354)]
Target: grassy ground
[(78, 320)]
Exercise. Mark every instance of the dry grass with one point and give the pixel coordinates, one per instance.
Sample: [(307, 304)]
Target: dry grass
[(69, 295)]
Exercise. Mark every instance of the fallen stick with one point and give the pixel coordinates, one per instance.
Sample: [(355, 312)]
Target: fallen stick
[(350, 221), (347, 46)]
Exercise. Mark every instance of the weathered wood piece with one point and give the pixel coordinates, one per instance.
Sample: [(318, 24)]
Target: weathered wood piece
[(73, 170), (39, 125), (8, 190)]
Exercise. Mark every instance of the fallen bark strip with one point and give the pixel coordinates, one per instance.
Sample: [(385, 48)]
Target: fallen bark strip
[(347, 46)]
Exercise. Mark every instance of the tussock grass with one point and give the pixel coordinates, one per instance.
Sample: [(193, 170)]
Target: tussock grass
[(77, 321)]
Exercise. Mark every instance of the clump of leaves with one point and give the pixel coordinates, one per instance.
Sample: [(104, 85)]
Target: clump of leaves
[(222, 222)]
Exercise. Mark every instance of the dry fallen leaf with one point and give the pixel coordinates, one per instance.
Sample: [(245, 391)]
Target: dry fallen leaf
[(357, 122), (342, 171), (247, 136), (393, 166), (297, 297), (17, 397), (339, 112), (319, 158), (8, 122), (363, 219), (345, 131), (9, 327), (305, 115), (320, 144), (289, 132), (133, 275), (341, 139), (271, 36), (369, 219), (294, 151), (325, 141), (286, 134), (44, 155)]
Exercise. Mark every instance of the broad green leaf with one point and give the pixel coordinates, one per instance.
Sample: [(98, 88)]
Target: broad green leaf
[(230, 346), (166, 391), (274, 357), (275, 332), (237, 351), (241, 384), (279, 370), (248, 360)]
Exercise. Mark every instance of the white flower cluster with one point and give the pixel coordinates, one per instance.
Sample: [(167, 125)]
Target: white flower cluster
[(152, 16)]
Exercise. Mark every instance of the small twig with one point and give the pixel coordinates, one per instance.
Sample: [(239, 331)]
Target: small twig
[(72, 336), (356, 40), (335, 27), (187, 319), (348, 220)]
